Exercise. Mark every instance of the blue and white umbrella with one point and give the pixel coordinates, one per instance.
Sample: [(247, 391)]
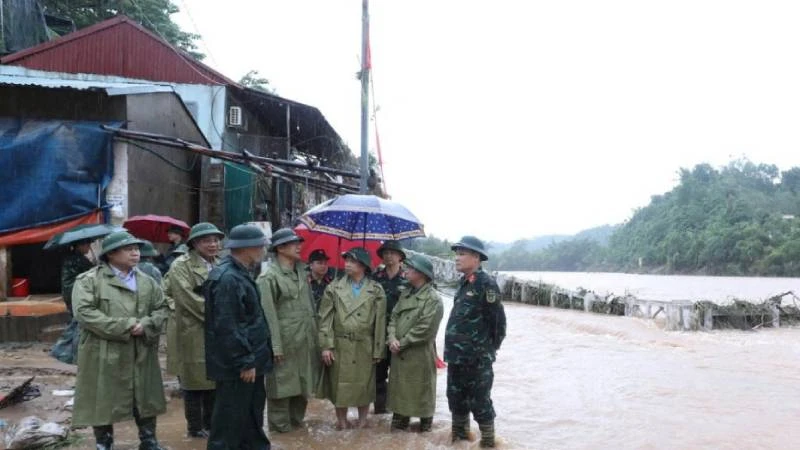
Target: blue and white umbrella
[(363, 217)]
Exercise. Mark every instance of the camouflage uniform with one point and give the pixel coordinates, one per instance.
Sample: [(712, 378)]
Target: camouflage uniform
[(393, 287), (318, 287), (73, 265), (475, 330)]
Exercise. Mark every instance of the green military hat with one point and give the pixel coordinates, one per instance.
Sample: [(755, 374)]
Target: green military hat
[(117, 240), (203, 229), (147, 249), (361, 255), (245, 236), (473, 244), (180, 250), (391, 245), (284, 236), (421, 264)]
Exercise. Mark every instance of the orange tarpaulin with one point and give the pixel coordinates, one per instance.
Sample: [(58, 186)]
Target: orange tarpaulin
[(45, 232)]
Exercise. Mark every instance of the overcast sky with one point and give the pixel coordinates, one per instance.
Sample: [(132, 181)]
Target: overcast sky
[(511, 119)]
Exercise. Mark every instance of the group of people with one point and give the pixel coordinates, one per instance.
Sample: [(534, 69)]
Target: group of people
[(240, 338)]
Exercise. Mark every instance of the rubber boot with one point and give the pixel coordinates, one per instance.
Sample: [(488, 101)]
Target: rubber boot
[(104, 437), (425, 424), (147, 434), (193, 411), (400, 422), (487, 434), (460, 427)]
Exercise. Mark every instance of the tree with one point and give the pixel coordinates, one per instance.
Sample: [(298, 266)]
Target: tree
[(254, 80), (151, 14)]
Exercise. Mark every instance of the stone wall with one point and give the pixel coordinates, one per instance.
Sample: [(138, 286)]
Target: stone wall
[(443, 269)]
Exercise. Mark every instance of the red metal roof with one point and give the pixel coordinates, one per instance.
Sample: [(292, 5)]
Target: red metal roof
[(118, 46)]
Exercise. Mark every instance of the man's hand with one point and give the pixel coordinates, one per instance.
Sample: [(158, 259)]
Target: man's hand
[(278, 359), (137, 330), (327, 357), (394, 346), (248, 375)]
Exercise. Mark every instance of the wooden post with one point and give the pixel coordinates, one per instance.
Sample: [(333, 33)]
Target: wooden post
[(5, 273)]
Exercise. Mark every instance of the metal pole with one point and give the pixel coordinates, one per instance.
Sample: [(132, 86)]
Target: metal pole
[(364, 95)]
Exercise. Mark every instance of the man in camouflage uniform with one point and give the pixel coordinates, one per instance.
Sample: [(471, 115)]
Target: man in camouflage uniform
[(475, 330), (319, 275), (391, 278)]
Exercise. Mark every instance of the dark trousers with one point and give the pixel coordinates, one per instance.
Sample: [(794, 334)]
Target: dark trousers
[(382, 382), (238, 419), (469, 389), (198, 406)]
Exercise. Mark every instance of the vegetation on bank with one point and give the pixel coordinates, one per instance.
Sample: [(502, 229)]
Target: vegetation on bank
[(740, 219)]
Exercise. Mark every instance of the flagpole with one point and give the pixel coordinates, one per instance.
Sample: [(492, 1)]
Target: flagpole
[(365, 66)]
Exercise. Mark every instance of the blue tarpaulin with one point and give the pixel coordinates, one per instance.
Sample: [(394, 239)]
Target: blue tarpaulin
[(52, 170)]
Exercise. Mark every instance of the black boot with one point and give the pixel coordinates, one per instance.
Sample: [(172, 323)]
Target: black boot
[(487, 434), (460, 427), (208, 409), (193, 411), (399, 422), (104, 437), (147, 434), (425, 424)]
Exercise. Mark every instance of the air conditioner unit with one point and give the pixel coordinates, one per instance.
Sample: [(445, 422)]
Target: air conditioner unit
[(235, 116)]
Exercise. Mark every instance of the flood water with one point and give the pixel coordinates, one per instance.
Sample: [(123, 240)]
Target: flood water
[(571, 380), (668, 287)]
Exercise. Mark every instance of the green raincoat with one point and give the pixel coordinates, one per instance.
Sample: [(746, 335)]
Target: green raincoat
[(287, 302), (355, 329), (116, 370), (412, 380), (173, 361), (187, 273)]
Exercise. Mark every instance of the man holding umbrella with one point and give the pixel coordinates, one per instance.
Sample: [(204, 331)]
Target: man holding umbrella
[(121, 313), (319, 275), (186, 276), (475, 330), (287, 302), (391, 278), (238, 348)]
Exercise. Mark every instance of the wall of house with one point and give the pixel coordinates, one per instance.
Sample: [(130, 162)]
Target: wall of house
[(163, 180), (32, 102)]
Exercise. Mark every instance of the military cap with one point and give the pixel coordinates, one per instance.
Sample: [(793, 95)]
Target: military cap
[(117, 240), (391, 245), (284, 236), (421, 264), (245, 236), (361, 255), (147, 250), (203, 229), (180, 250), (318, 255), (473, 244)]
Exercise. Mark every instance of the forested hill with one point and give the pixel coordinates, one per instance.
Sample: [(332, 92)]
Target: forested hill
[(741, 219)]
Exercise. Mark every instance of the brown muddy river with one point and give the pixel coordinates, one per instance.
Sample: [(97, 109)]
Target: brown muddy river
[(570, 380)]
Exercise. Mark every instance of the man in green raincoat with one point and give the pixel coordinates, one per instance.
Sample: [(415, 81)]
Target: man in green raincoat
[(186, 276), (173, 361), (352, 336), (286, 297), (121, 312), (412, 333), (148, 255)]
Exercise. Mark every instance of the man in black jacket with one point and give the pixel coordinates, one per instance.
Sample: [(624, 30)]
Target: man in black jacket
[(238, 347)]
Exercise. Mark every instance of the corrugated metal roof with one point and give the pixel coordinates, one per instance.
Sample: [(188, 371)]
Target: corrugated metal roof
[(16, 76), (117, 46)]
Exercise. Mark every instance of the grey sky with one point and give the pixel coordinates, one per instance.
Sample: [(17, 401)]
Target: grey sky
[(509, 119)]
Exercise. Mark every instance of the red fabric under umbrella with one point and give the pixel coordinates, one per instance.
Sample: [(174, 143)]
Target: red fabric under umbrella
[(154, 228), (334, 246)]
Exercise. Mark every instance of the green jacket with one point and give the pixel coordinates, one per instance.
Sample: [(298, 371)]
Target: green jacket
[(186, 275), (412, 380), (114, 368), (72, 266), (286, 298), (354, 328), (173, 360)]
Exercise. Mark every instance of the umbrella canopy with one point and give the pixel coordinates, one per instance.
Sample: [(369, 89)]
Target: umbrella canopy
[(80, 233), (154, 228), (334, 246), (363, 217)]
